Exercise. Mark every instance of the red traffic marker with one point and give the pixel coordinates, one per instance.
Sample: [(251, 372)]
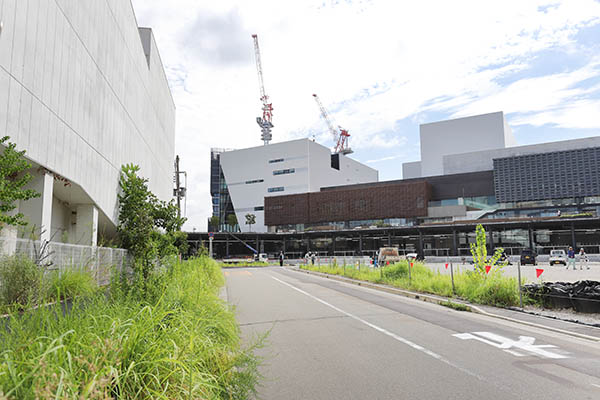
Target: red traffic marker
[(446, 265), (538, 272), (487, 269), (411, 265)]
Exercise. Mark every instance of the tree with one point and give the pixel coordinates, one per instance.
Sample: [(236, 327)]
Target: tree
[(232, 220), (12, 180), (250, 220), (149, 227), (479, 252), (214, 222), (136, 218)]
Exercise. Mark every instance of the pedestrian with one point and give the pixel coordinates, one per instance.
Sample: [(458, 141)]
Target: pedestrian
[(583, 259), (312, 258), (281, 258), (571, 258)]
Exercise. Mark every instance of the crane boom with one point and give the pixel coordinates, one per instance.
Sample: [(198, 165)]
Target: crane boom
[(266, 122), (340, 138)]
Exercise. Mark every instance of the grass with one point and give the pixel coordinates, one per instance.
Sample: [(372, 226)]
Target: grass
[(493, 289), (173, 339), (455, 306), (70, 283)]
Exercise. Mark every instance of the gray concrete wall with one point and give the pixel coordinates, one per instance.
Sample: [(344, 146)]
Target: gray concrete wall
[(484, 160), (411, 170), (447, 211), (476, 133), (79, 94)]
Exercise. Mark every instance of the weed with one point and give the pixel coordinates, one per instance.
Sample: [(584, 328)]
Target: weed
[(175, 340), (455, 306)]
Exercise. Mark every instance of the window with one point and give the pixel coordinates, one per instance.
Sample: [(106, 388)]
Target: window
[(276, 160), (255, 181), (259, 208), (276, 189), (284, 171)]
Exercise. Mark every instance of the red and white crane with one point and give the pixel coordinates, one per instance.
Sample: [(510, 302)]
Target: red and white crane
[(340, 135), (266, 121)]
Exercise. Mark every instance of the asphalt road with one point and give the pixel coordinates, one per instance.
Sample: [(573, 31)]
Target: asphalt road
[(331, 340)]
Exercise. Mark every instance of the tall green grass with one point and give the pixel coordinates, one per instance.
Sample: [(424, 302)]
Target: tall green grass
[(493, 289), (70, 283), (174, 340)]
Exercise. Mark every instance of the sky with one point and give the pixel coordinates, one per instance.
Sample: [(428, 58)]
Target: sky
[(381, 68)]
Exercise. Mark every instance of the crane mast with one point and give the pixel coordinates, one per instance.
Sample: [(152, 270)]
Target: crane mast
[(340, 137), (265, 122)]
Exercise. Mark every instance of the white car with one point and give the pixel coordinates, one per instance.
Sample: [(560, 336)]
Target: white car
[(558, 257)]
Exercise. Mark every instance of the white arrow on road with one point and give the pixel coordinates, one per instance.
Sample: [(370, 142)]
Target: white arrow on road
[(525, 343)]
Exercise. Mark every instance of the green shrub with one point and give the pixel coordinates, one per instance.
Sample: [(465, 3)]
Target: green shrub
[(493, 289), (70, 283), (179, 340), (21, 281)]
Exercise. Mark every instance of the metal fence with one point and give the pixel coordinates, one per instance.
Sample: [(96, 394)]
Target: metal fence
[(99, 261)]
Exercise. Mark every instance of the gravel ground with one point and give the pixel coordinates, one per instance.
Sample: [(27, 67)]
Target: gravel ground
[(568, 315)]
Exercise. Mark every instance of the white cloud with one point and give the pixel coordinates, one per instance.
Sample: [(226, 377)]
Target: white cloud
[(371, 62)]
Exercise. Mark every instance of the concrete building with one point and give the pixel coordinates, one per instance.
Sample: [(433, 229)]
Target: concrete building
[(297, 166), (445, 138), (83, 91)]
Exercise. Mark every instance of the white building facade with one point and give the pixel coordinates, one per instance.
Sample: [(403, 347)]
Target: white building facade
[(83, 91), (292, 167)]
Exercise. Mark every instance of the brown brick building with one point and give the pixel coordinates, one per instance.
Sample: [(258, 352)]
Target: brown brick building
[(392, 200)]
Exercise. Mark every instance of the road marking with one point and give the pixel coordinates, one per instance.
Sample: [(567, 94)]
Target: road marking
[(525, 343), (593, 384), (248, 273), (388, 333)]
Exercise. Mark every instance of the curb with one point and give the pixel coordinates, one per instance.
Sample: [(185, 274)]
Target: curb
[(443, 301)]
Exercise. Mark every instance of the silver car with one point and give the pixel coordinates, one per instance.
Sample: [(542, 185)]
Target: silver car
[(558, 257)]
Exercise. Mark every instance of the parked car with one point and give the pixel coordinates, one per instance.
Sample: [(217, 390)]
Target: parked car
[(558, 257), (262, 257), (528, 256), (388, 255)]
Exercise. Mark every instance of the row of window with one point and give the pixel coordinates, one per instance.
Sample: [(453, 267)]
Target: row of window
[(275, 189), (284, 171), (255, 181), (276, 160)]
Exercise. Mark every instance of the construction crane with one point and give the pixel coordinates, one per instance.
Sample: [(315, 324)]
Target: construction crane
[(265, 122), (340, 135)]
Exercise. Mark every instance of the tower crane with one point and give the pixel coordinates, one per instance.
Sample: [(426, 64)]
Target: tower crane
[(265, 122), (340, 135)]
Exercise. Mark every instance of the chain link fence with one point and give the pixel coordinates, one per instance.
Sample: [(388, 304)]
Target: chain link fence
[(99, 261)]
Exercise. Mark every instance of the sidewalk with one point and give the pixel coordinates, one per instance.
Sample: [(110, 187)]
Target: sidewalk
[(552, 324)]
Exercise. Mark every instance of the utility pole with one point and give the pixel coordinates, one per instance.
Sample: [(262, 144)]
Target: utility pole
[(177, 186), (179, 192)]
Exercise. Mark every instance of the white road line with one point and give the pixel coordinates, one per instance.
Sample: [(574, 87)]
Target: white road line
[(593, 384), (388, 333)]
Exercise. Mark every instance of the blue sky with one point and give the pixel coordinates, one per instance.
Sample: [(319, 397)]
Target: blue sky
[(380, 67)]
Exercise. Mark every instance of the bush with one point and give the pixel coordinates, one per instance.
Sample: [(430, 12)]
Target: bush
[(21, 281), (179, 340)]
